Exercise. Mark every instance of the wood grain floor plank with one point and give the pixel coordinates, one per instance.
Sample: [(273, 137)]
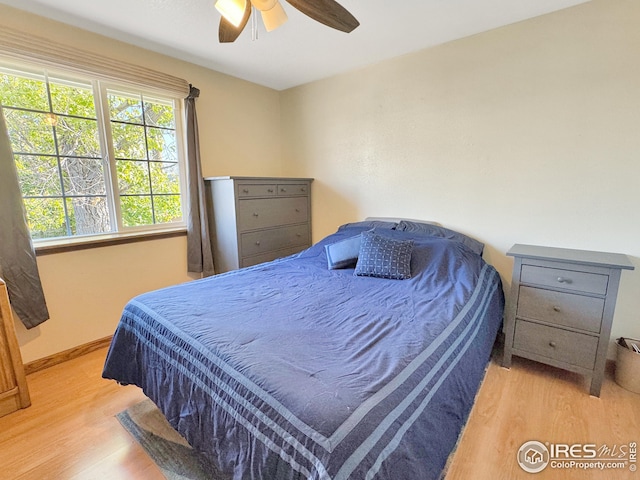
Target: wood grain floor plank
[(70, 430), (532, 401)]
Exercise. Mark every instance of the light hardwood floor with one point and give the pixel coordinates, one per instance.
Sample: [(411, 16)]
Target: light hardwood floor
[(70, 431)]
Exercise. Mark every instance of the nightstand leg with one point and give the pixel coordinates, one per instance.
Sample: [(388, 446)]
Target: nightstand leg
[(506, 359), (509, 331), (596, 383)]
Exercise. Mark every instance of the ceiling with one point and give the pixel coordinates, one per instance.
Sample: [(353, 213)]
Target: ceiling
[(300, 51)]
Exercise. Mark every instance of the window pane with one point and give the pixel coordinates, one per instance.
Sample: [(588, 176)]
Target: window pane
[(133, 177), (167, 208), (16, 91), (45, 217), (88, 215), (72, 99), (124, 108), (162, 144), (83, 176), (136, 211), (129, 141), (38, 176), (77, 137), (165, 177), (29, 133), (63, 173), (158, 113)]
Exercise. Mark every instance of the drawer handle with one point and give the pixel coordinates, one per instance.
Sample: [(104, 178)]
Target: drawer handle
[(245, 190), (297, 210), (255, 214), (556, 308), (283, 189), (298, 235), (564, 280), (270, 190), (552, 344), (303, 189), (258, 242)]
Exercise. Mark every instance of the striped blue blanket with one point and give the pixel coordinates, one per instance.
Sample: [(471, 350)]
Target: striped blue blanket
[(289, 370)]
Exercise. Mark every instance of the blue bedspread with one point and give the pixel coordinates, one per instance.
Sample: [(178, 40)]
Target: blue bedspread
[(289, 370)]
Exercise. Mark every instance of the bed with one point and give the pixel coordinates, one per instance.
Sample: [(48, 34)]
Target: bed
[(321, 365)]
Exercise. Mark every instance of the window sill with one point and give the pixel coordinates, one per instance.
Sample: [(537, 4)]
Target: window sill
[(48, 247)]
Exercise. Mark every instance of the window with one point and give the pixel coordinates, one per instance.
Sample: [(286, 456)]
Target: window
[(92, 158)]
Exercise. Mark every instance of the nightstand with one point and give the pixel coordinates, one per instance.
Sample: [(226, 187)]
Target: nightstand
[(561, 307)]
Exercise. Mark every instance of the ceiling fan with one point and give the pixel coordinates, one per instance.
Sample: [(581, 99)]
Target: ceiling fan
[(236, 13)]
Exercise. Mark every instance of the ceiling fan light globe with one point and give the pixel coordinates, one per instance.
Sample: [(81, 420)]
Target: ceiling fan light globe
[(274, 17), (232, 10), (263, 5)]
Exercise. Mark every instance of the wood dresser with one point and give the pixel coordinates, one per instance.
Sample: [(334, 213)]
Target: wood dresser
[(561, 308), (257, 219), (14, 393)]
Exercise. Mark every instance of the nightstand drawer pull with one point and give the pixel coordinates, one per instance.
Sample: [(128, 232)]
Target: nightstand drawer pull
[(564, 280), (556, 308), (552, 344)]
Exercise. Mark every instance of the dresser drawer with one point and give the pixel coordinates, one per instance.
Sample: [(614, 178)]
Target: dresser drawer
[(262, 241), (256, 190), (568, 309), (273, 212), (565, 279), (293, 189), (557, 344), (268, 256)]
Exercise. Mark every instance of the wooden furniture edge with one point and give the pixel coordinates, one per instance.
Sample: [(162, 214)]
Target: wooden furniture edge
[(66, 355), (18, 397)]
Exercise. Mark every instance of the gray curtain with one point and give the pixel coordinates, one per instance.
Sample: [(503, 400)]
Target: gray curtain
[(199, 254), (17, 257)]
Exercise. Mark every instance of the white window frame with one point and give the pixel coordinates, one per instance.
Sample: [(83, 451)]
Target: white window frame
[(100, 87)]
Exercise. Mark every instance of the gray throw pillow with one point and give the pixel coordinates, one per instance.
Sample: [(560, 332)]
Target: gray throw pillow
[(343, 253)]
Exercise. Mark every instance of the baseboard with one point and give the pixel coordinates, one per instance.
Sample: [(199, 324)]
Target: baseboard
[(70, 354)]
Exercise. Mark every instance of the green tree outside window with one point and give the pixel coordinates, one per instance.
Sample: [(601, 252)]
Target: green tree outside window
[(61, 150)]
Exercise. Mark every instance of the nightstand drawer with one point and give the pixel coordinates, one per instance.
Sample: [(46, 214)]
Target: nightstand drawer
[(565, 279), (275, 238), (568, 309), (557, 344)]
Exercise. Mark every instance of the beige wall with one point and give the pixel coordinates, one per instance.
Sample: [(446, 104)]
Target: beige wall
[(526, 134), (87, 289)]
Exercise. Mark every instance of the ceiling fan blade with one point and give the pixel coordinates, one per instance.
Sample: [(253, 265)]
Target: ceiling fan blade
[(227, 33), (328, 12)]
